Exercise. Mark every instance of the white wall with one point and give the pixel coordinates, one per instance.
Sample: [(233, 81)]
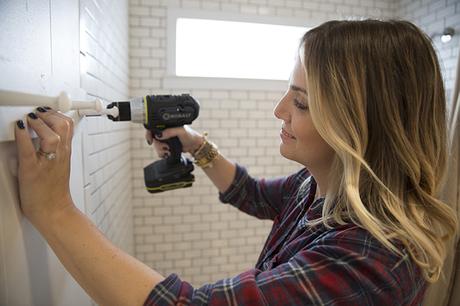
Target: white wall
[(40, 52), (433, 16), (106, 145)]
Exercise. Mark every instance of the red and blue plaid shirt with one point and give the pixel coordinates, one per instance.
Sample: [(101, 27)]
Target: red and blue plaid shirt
[(301, 265)]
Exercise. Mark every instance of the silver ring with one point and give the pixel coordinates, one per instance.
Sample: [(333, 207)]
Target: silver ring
[(48, 156)]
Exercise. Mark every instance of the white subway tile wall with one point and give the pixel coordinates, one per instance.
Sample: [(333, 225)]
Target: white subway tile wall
[(188, 231), (433, 16), (104, 71)]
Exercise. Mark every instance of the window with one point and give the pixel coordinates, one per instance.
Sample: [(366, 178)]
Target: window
[(230, 51)]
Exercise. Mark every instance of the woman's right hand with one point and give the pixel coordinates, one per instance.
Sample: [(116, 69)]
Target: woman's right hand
[(191, 140)]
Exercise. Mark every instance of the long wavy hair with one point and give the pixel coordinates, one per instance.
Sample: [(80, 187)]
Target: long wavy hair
[(376, 96)]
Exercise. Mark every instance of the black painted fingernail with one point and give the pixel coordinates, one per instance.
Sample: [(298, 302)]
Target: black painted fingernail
[(32, 115), (159, 135), (41, 109), (149, 142), (47, 107), (20, 124)]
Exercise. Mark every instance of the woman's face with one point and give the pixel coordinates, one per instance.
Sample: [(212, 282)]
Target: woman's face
[(299, 139)]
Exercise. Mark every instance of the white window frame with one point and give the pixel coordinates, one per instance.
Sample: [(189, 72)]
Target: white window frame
[(172, 81)]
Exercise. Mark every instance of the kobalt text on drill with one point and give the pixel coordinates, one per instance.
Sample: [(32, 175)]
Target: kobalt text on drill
[(159, 112)]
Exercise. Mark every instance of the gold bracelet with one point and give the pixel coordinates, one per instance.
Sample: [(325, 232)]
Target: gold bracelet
[(206, 153), (197, 151), (207, 161)]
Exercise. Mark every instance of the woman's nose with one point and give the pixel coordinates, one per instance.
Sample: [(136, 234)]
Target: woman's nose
[(279, 110)]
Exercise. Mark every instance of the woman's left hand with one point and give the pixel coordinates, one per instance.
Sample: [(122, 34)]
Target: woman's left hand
[(43, 176)]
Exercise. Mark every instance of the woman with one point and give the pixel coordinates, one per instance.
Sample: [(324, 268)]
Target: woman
[(360, 224)]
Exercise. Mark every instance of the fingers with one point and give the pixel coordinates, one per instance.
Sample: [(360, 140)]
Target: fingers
[(170, 132), (25, 147), (49, 139), (148, 137), (54, 129), (189, 138), (161, 148), (61, 124)]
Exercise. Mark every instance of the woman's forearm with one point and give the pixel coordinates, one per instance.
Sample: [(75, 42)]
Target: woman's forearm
[(221, 173), (109, 275)]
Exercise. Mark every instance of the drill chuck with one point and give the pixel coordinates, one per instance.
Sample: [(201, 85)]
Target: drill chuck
[(132, 110)]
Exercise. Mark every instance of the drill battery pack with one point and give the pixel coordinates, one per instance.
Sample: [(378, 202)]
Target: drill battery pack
[(162, 175)]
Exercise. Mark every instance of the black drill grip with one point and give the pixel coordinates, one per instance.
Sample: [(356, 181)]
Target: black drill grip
[(175, 148)]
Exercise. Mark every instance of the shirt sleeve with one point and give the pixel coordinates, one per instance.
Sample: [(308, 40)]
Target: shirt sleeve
[(261, 198), (332, 273)]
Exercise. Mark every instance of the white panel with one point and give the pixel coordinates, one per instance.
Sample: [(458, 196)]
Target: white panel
[(30, 273), (25, 43), (65, 45), (39, 54)]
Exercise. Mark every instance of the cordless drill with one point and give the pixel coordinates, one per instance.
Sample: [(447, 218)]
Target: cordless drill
[(159, 112)]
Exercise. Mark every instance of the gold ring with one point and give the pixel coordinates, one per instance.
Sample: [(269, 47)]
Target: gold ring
[(48, 156)]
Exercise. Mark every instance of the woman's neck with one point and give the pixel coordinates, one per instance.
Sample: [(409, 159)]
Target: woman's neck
[(321, 180), (317, 195)]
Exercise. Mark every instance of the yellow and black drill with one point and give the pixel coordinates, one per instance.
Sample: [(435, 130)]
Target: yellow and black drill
[(159, 112)]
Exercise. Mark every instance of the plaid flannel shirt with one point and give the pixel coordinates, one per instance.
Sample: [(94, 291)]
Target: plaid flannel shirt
[(301, 265)]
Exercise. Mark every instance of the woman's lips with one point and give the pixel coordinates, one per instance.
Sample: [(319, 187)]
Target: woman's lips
[(286, 134)]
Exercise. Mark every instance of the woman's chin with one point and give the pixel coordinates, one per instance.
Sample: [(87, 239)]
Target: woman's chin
[(285, 152), (291, 155)]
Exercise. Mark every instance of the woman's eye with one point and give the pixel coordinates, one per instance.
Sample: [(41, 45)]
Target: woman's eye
[(300, 105)]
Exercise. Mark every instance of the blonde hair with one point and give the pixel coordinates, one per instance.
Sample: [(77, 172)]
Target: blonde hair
[(376, 96)]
